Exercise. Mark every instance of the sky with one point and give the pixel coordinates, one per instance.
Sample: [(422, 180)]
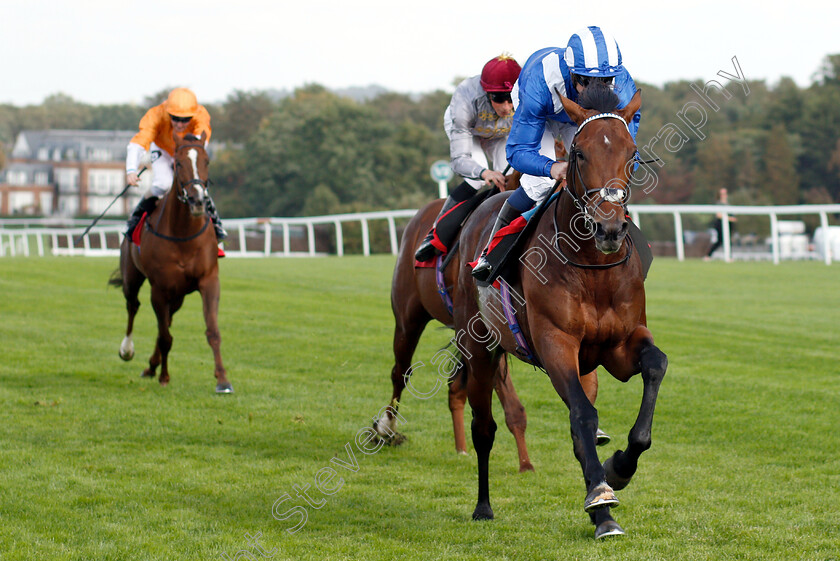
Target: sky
[(112, 52)]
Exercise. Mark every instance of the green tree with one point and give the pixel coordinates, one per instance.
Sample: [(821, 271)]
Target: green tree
[(114, 117), (241, 115), (715, 169), (63, 112), (778, 178)]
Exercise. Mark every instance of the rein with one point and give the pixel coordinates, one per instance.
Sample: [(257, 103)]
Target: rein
[(175, 239)]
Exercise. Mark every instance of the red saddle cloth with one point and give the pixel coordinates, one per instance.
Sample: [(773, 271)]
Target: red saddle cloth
[(513, 228), (135, 235), (425, 264)]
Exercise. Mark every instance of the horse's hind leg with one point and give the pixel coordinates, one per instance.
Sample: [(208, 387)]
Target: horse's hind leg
[(621, 466), (410, 323), (589, 382), (210, 293), (515, 417), (457, 400), (164, 339)]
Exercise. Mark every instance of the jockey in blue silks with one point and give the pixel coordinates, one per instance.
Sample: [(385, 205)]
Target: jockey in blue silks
[(539, 119)]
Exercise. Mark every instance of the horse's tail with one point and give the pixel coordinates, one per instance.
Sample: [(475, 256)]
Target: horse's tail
[(116, 278)]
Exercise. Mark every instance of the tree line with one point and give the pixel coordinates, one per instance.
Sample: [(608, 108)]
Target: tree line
[(317, 152)]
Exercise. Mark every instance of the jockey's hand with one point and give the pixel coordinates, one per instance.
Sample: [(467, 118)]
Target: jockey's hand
[(132, 179), (492, 177), (558, 170)]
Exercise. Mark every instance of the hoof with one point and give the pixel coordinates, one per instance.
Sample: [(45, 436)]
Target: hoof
[(386, 433), (390, 438), (127, 349), (526, 466), (608, 528), (147, 374), (614, 480), (483, 512), (601, 437), (463, 453), (600, 497), (224, 388)]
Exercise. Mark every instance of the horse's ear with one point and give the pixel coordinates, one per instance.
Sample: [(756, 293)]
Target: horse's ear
[(631, 108), (203, 136), (573, 110)]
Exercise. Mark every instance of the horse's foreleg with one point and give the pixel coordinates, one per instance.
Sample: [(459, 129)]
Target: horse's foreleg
[(560, 354), (653, 363), (164, 338), (132, 280), (480, 391), (210, 293), (515, 417), (411, 321)]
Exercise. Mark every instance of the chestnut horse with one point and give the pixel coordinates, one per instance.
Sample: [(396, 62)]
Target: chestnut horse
[(582, 304), (178, 254), (415, 300)]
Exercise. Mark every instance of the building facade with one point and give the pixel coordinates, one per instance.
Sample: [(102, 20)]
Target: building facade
[(68, 173)]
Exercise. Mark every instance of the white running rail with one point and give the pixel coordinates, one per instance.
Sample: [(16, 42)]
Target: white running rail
[(273, 237)]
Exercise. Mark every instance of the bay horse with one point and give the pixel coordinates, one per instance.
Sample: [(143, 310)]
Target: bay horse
[(178, 253), (582, 304), (415, 301)]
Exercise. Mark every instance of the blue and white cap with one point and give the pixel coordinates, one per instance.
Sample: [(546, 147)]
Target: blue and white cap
[(593, 52)]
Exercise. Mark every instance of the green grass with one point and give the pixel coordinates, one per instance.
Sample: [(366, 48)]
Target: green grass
[(100, 464)]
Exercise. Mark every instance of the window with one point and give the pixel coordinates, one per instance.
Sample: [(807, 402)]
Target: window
[(16, 177), (67, 180), (100, 155)]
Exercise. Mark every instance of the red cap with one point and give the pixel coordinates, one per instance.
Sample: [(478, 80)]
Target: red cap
[(499, 74)]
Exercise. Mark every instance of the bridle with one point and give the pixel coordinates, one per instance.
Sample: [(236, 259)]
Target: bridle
[(605, 194), (614, 195), (183, 191), (185, 197)]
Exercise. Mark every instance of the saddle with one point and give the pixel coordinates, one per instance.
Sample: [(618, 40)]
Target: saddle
[(450, 224)]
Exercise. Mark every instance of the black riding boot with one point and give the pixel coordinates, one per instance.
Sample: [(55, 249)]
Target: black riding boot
[(488, 263), (146, 205), (426, 250), (214, 216)]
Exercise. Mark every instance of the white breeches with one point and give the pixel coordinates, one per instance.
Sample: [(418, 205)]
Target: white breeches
[(162, 171)]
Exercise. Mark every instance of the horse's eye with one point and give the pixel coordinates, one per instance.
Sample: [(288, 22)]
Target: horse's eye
[(579, 155)]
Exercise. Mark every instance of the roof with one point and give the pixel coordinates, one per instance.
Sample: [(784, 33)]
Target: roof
[(71, 145)]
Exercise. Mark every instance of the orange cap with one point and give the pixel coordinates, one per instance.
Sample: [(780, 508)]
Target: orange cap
[(181, 103)]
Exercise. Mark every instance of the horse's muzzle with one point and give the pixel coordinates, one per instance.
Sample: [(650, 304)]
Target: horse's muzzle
[(609, 236), (196, 208)]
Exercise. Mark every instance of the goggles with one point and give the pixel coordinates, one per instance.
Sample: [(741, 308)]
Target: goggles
[(500, 97)]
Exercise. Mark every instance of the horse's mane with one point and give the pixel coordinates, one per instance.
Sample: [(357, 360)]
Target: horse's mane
[(598, 96)]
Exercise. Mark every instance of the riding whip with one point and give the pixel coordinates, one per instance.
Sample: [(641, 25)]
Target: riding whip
[(95, 220)]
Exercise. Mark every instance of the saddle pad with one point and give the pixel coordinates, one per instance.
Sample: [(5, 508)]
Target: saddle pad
[(135, 235)]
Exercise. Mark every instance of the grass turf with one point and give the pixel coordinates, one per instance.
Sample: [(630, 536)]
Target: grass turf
[(100, 464)]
